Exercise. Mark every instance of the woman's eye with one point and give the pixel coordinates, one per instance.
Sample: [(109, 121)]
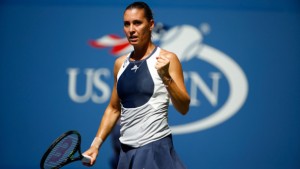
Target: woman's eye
[(126, 24), (137, 22)]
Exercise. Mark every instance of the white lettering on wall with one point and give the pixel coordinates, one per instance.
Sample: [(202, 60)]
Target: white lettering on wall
[(93, 81), (198, 83)]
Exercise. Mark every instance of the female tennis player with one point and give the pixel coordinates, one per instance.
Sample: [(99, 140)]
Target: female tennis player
[(144, 82)]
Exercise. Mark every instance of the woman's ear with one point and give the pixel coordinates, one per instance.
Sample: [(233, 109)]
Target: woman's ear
[(151, 24)]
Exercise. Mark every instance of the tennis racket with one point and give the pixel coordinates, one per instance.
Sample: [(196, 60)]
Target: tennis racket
[(64, 150)]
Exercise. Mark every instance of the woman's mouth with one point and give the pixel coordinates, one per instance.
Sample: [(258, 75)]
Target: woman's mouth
[(133, 38)]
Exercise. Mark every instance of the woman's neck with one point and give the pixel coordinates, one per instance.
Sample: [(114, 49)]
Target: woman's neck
[(142, 52)]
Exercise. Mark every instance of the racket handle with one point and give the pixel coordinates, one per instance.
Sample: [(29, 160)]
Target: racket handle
[(86, 159)]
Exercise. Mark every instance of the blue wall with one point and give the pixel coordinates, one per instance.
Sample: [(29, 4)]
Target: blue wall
[(43, 41)]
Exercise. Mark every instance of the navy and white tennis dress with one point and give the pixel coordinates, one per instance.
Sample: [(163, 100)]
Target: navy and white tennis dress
[(146, 141)]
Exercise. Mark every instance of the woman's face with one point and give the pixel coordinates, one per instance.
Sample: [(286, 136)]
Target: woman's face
[(136, 27)]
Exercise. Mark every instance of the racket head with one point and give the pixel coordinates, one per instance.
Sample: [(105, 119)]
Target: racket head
[(61, 151)]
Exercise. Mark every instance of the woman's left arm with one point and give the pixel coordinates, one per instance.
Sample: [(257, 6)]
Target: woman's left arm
[(170, 70)]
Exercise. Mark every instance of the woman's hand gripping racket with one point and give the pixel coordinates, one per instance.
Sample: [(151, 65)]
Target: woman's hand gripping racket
[(62, 151)]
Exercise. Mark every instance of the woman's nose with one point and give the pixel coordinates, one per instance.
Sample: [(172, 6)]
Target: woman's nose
[(131, 28)]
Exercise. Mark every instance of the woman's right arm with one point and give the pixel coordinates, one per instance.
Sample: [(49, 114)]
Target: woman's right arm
[(109, 118)]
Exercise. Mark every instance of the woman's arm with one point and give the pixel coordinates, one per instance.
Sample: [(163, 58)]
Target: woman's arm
[(170, 70), (109, 119)]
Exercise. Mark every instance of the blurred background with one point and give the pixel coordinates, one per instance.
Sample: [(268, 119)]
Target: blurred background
[(241, 66)]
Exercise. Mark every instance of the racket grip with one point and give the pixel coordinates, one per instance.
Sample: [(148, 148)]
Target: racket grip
[(86, 159)]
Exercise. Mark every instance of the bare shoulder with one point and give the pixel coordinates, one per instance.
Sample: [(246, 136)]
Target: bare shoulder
[(118, 63), (170, 55)]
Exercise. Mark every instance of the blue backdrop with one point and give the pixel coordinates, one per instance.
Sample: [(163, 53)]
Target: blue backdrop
[(241, 68)]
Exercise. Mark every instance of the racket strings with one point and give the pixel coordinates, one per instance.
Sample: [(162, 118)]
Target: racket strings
[(62, 151)]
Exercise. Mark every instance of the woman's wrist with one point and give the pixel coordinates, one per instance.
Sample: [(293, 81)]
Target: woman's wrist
[(167, 81), (97, 142)]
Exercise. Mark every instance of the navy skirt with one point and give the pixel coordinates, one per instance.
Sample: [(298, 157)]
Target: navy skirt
[(156, 155)]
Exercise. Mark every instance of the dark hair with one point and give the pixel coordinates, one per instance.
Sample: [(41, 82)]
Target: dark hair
[(142, 5)]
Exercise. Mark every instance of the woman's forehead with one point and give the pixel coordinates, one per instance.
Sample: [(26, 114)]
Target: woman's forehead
[(134, 13)]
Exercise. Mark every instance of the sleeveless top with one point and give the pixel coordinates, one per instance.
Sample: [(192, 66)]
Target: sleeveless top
[(144, 102)]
